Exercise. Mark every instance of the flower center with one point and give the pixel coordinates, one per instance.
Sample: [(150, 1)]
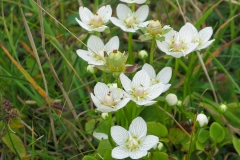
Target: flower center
[(196, 39), (96, 21), (130, 21), (139, 92), (133, 143), (108, 100), (177, 45)]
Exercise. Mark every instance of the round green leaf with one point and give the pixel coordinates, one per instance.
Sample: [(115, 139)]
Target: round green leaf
[(203, 136), (159, 156), (217, 132), (236, 144), (15, 144), (157, 129)]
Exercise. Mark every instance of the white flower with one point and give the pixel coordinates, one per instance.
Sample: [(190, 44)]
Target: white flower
[(140, 89), (94, 22), (134, 1), (130, 21), (202, 119), (171, 99), (163, 76), (178, 44), (96, 50), (202, 37), (100, 136), (143, 54), (109, 100), (91, 69), (133, 143)]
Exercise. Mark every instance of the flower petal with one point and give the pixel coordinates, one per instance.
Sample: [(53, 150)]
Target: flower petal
[(113, 44), (149, 69), (190, 47), (205, 45), (176, 54), (84, 25), (100, 29), (95, 44), (89, 57), (146, 103), (119, 134), (120, 152), (105, 12), (126, 82), (142, 13), (85, 14), (123, 11), (138, 128), (186, 33), (166, 87), (136, 154), (205, 34), (141, 78), (101, 90), (165, 75), (149, 142), (96, 101), (117, 22), (163, 46), (122, 103), (154, 91)]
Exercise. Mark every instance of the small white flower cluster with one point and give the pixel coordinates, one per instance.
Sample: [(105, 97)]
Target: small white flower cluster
[(146, 85), (187, 40)]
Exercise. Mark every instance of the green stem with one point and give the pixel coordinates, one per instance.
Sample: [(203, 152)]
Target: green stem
[(152, 51), (175, 72), (188, 76), (95, 77), (95, 5), (130, 54)]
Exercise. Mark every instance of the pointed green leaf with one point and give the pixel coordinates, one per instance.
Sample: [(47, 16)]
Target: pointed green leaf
[(15, 144), (157, 129), (89, 158)]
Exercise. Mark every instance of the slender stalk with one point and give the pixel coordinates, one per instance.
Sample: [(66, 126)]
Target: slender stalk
[(175, 72), (95, 5), (95, 77), (130, 53), (152, 51), (206, 73), (188, 76)]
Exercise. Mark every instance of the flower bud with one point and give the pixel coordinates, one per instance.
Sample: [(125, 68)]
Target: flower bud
[(202, 119), (143, 54), (154, 27), (104, 115), (179, 103), (222, 108), (171, 99), (160, 146), (91, 69)]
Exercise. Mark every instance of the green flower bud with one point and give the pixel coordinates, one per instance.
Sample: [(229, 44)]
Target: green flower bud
[(154, 28), (143, 54), (91, 69), (222, 108)]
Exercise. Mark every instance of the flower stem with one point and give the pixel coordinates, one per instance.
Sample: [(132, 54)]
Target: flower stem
[(188, 76), (209, 80), (130, 58), (95, 77), (152, 51), (95, 5), (175, 72)]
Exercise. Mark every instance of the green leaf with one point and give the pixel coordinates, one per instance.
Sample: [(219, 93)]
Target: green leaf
[(16, 123), (88, 158), (157, 129), (108, 155), (203, 136), (217, 132), (159, 156), (236, 144), (204, 17), (89, 126), (15, 144), (104, 146), (176, 135)]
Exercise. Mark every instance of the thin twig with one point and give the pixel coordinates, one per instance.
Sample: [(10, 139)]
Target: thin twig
[(180, 10), (175, 121), (209, 80)]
